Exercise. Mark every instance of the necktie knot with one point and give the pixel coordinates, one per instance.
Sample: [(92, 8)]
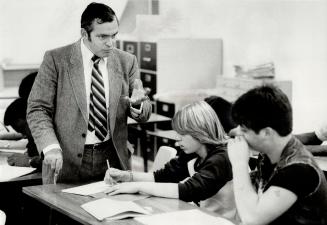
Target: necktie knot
[(95, 59)]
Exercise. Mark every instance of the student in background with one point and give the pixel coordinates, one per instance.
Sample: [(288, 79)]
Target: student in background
[(313, 140), (15, 116), (223, 109), (287, 186), (202, 171)]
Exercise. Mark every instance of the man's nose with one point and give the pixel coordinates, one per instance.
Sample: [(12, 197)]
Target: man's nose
[(110, 42)]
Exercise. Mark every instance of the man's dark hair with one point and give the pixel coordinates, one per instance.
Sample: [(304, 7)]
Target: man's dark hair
[(26, 85), (222, 108), (264, 106), (99, 12)]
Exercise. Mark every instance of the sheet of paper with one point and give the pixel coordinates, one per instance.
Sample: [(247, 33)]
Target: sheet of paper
[(106, 208), (88, 189), (189, 217), (10, 172)]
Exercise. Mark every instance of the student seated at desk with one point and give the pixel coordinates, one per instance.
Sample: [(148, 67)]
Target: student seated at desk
[(201, 173), (12, 139), (313, 140), (287, 186), (15, 116)]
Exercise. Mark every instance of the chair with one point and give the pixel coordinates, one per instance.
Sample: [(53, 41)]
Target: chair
[(2, 218), (163, 155)]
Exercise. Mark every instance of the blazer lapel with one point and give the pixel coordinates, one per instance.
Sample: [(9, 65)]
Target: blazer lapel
[(115, 85), (76, 75)]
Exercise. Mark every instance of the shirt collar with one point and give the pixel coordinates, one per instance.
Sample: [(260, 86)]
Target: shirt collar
[(87, 54)]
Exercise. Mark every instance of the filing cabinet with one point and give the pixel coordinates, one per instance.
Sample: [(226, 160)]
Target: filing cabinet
[(149, 80), (118, 44), (131, 47), (148, 56), (165, 109)]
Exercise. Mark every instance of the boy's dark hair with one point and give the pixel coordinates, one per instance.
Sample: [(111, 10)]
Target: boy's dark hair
[(223, 109), (26, 85), (99, 12), (264, 106), (15, 115)]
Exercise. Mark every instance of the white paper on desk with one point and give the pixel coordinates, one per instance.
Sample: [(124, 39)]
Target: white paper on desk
[(189, 217), (105, 208), (10, 172), (88, 189)]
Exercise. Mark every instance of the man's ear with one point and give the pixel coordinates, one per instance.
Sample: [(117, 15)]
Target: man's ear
[(83, 33)]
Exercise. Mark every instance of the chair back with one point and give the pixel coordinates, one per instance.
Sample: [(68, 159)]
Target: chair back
[(164, 155)]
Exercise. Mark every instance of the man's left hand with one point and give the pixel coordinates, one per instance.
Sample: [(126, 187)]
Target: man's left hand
[(139, 94)]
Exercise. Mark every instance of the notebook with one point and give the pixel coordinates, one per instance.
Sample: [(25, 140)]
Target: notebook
[(105, 208)]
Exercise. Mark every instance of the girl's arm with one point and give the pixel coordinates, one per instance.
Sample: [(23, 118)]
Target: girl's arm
[(166, 190)]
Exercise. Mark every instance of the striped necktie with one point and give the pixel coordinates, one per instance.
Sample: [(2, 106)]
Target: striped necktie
[(98, 110)]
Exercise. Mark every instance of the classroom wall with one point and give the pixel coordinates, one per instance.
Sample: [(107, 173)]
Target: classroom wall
[(290, 33)]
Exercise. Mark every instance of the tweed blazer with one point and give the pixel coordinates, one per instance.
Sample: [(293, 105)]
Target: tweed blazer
[(57, 105)]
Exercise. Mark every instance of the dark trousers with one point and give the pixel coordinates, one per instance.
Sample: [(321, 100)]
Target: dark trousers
[(94, 161)]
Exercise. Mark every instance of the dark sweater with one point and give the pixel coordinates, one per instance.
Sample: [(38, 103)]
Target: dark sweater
[(211, 175)]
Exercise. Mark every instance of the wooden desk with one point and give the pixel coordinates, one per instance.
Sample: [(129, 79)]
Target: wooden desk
[(142, 132), (69, 204)]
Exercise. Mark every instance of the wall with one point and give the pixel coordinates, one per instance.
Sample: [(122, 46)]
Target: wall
[(291, 33), (29, 28)]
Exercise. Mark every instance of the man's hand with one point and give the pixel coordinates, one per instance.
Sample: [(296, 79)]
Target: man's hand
[(54, 159), (139, 94), (18, 159), (238, 151)]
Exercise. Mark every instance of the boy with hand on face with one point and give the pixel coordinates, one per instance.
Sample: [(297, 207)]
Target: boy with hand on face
[(287, 186)]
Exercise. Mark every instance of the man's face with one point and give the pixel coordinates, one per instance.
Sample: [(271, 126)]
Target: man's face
[(101, 40)]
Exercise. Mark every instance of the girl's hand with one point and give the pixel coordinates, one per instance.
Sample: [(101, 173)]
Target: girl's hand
[(123, 188)]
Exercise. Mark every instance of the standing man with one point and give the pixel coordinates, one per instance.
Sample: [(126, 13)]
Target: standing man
[(287, 186), (82, 95)]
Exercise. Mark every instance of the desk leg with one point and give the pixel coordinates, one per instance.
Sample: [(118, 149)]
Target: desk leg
[(144, 147)]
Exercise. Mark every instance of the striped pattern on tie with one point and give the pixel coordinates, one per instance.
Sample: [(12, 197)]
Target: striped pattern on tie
[(98, 110)]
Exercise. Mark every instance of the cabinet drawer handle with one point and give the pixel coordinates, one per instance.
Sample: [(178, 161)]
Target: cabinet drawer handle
[(146, 59)]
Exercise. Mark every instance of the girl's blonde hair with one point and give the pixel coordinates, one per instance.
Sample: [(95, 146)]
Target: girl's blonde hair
[(201, 122)]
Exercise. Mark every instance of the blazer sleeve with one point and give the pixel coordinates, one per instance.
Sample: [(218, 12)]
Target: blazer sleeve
[(147, 107), (41, 104)]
